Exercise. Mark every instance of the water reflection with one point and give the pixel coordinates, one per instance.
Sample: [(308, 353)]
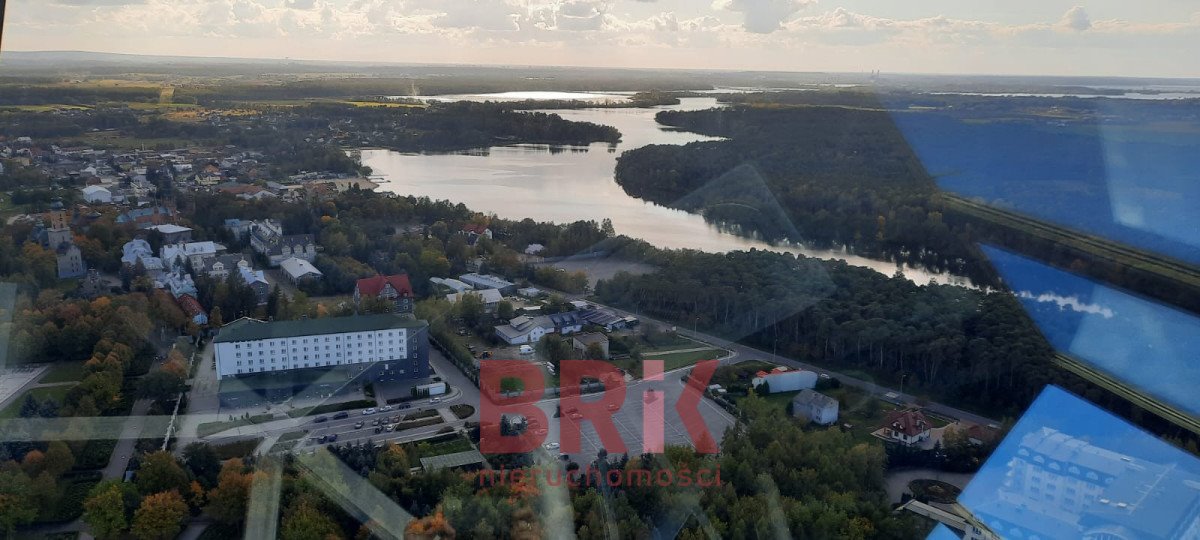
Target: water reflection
[(566, 184), (1141, 342), (1069, 469)]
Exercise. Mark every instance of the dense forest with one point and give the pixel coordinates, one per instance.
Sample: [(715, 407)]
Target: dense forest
[(955, 345), (824, 176)]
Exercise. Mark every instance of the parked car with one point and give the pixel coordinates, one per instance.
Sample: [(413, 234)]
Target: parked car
[(385, 408), (391, 427), (436, 400), (376, 422), (378, 429), (323, 438), (369, 411), (333, 438), (526, 349), (341, 416), (320, 419), (551, 446), (359, 424)]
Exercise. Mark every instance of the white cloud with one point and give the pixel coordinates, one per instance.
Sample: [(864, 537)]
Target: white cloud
[(1075, 19), (763, 16)]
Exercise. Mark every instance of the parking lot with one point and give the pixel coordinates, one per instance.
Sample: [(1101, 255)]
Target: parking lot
[(628, 420)]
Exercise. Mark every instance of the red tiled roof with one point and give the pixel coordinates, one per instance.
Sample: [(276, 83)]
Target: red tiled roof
[(190, 305), (373, 285), (475, 228), (909, 422)]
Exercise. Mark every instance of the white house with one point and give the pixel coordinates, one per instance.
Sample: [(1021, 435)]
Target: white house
[(392, 343), (785, 381), (907, 427), (523, 330), (97, 195), (175, 254), (298, 270), (815, 407)]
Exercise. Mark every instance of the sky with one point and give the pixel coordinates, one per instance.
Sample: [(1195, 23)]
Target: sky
[(1034, 37)]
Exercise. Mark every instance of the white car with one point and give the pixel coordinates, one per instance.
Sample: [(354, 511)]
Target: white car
[(526, 349), (385, 408), (436, 400), (369, 411), (551, 446)]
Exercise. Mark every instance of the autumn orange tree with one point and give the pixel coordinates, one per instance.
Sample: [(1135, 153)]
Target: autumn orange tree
[(227, 502), (160, 516)]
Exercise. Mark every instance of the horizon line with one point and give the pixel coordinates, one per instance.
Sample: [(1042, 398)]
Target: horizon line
[(394, 63)]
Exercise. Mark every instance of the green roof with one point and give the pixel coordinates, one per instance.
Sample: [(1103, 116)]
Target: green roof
[(450, 461), (246, 329)]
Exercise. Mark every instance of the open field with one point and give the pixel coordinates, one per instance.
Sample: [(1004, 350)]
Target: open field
[(63, 372), (56, 393)]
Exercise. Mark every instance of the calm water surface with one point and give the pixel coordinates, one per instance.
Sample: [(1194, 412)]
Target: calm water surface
[(566, 184)]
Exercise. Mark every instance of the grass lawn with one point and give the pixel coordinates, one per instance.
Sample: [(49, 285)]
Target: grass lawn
[(683, 359), (63, 372), (56, 393), (332, 408), (208, 428), (427, 449)]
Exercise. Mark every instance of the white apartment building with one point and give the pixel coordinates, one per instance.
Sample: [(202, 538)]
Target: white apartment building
[(247, 346)]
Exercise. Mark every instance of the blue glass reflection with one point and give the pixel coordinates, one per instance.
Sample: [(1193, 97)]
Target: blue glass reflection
[(1069, 469), (1143, 343), (1121, 169)]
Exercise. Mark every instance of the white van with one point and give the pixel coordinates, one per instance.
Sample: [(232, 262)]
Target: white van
[(526, 349)]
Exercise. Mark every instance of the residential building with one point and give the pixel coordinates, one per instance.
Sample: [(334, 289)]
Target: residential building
[(137, 252), (257, 281), (238, 227), (390, 344), (176, 255), (524, 330), (581, 343), (220, 266), (172, 234), (784, 381), (603, 318), (566, 323), (815, 407), (179, 283), (97, 195), (907, 427), (267, 238), (300, 270), (157, 215), (395, 288), (70, 261), (192, 308), (474, 232), (482, 281)]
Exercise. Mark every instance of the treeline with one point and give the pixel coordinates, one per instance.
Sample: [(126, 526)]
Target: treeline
[(825, 176), (451, 126), (41, 94), (953, 344)]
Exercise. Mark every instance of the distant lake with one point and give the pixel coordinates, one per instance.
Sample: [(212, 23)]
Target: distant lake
[(565, 184), (590, 97)]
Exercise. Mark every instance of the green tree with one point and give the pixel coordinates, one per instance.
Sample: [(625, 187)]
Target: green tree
[(104, 510), (160, 472), (203, 463), (303, 521), (17, 505), (160, 516), (504, 310)]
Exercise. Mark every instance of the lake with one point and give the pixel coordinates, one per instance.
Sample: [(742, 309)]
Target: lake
[(566, 184)]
